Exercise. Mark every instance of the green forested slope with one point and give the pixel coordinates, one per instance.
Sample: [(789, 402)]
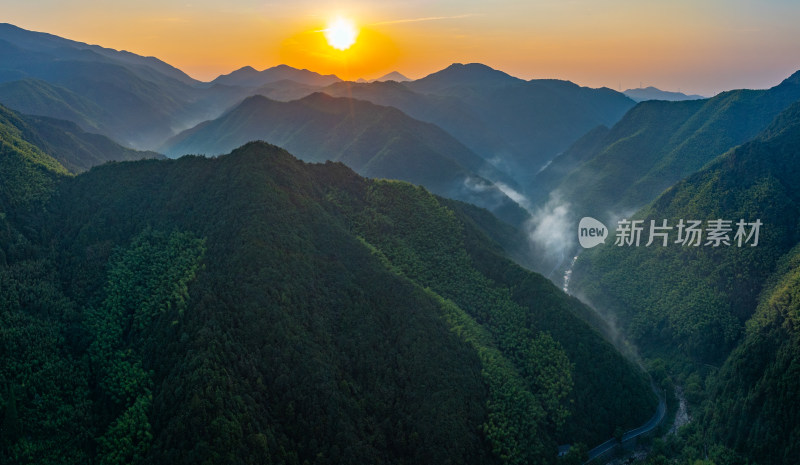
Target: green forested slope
[(59, 144), (722, 318), (658, 143), (694, 301), (255, 309), (753, 399), (43, 388), (76, 149), (28, 174), (37, 97)]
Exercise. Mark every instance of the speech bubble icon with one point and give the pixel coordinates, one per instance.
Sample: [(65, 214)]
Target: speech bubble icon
[(591, 232)]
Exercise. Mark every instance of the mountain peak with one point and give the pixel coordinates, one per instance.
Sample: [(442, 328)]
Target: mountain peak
[(794, 79), (393, 76), (245, 72), (250, 77), (246, 69), (476, 69), (459, 74)]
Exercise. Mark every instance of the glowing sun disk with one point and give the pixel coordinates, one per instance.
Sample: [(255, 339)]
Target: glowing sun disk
[(341, 33)]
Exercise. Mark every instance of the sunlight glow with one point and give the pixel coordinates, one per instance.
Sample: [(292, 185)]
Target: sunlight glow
[(341, 33)]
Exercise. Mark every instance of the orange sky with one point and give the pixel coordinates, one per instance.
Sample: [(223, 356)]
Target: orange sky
[(694, 46)]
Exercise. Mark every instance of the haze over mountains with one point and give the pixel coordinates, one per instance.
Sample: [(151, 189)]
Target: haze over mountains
[(512, 127), (249, 306), (518, 125), (393, 76), (46, 75), (375, 141), (137, 101), (610, 173), (64, 141)]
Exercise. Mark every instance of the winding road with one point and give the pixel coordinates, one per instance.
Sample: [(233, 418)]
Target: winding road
[(654, 421)]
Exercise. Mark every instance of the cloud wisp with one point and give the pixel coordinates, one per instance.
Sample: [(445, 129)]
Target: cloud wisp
[(419, 20)]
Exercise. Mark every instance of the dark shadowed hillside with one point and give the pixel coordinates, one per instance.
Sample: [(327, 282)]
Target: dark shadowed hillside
[(252, 307), (751, 400)]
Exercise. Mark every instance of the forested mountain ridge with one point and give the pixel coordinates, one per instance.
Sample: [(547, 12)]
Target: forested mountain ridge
[(301, 313), (656, 144), (712, 290), (722, 319), (375, 141), (70, 146), (751, 407), (28, 173)]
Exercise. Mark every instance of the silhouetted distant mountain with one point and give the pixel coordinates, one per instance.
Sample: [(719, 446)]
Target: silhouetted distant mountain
[(457, 75), (135, 100), (15, 39), (374, 140), (141, 102), (517, 125), (652, 93), (450, 113), (249, 77), (393, 76)]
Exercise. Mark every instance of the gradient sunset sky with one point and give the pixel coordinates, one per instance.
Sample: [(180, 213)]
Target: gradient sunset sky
[(700, 46)]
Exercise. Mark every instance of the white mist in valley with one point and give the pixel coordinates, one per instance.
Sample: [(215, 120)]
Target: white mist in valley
[(517, 197), (549, 230)]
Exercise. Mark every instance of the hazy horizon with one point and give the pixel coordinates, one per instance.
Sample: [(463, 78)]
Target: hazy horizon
[(677, 46)]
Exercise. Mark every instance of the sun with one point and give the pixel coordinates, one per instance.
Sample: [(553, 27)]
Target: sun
[(341, 33)]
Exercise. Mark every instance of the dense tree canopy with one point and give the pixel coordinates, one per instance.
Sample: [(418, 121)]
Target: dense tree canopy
[(256, 309)]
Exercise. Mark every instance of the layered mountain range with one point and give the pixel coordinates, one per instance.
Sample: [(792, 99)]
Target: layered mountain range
[(334, 272), (253, 307)]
